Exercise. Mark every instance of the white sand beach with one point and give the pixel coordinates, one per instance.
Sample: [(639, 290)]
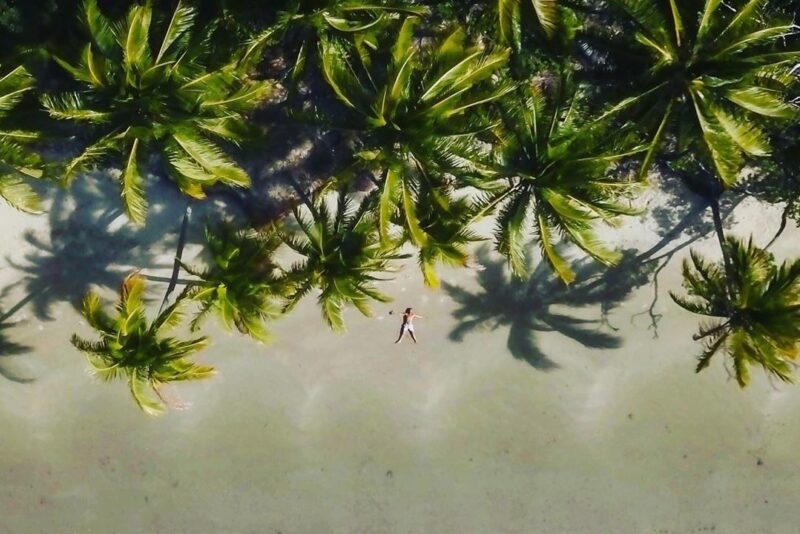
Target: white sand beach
[(525, 408)]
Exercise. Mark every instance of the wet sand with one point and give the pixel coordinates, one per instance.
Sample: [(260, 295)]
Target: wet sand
[(525, 408)]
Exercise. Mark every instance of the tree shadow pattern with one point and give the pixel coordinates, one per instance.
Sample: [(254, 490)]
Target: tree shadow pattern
[(86, 247), (527, 306), (9, 348)]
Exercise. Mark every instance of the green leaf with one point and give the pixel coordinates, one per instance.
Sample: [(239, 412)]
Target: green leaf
[(19, 194), (418, 236), (510, 22), (92, 155), (341, 78), (762, 101), (388, 201), (246, 98), (756, 38), (70, 106), (547, 13), (655, 143), (132, 188), (403, 46), (677, 22), (13, 86), (95, 66), (131, 294), (556, 260), (137, 48), (99, 27), (332, 312), (446, 80), (255, 47), (346, 26), (707, 18), (743, 17), (180, 23), (139, 386), (724, 151), (211, 158), (510, 232), (745, 133)]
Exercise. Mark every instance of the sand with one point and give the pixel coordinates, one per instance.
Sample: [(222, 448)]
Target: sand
[(525, 407)]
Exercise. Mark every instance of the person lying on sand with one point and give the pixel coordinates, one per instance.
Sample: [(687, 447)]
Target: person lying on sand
[(408, 325)]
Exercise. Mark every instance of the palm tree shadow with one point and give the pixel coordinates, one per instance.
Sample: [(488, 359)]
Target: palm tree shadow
[(86, 244), (10, 348), (528, 306)]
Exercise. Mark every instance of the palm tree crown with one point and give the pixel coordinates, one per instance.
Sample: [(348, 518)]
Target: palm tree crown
[(132, 347), (340, 256), (713, 76), (16, 162), (760, 322), (243, 285), (415, 116), (556, 167), (167, 100)]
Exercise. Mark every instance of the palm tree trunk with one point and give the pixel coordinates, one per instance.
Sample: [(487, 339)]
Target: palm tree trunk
[(782, 227), (726, 259), (4, 316), (176, 266)]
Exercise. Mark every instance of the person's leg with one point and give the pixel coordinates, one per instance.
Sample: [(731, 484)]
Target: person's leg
[(411, 331), (400, 337)]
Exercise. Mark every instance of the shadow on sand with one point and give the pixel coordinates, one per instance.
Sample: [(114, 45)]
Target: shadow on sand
[(8, 349), (528, 307), (88, 243)]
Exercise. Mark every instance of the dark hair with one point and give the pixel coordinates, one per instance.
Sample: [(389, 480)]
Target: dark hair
[(408, 310)]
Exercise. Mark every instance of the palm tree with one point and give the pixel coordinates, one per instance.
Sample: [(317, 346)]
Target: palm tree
[(415, 116), (755, 306), (136, 100), (305, 24), (16, 161), (704, 73), (341, 256), (555, 163), (243, 285), (132, 347)]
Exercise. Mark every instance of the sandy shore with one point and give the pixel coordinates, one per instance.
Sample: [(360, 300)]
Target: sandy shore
[(525, 408)]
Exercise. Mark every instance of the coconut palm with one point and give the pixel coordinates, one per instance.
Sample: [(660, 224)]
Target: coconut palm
[(17, 162), (243, 285), (755, 307), (136, 101), (305, 24), (702, 71), (415, 116), (341, 256), (556, 167), (136, 349)]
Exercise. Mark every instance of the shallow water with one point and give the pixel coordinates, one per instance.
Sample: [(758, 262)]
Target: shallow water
[(502, 419)]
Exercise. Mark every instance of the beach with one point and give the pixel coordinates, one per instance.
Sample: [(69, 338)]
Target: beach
[(526, 407)]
